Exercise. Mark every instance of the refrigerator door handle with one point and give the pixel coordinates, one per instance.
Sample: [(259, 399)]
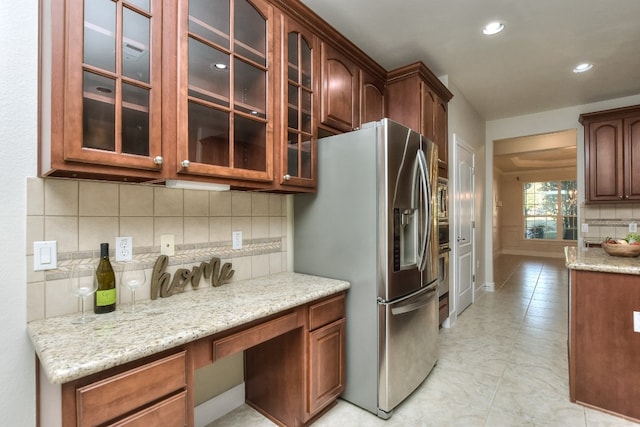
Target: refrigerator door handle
[(417, 304), (425, 187)]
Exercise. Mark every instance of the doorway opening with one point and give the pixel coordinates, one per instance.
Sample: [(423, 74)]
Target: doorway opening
[(535, 194)]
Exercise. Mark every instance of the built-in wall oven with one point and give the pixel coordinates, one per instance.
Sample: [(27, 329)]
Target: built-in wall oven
[(442, 203), (443, 259), (442, 200)]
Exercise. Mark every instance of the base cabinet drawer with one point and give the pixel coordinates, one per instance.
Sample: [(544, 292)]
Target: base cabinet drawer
[(135, 391), (171, 412)]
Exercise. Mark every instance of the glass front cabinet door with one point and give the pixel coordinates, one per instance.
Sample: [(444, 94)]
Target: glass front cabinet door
[(225, 124), (111, 86), (300, 85)]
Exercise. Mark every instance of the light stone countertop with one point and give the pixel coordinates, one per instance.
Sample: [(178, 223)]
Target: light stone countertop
[(596, 259), (70, 351)]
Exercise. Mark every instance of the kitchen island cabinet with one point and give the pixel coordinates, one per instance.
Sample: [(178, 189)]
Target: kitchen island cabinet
[(604, 349), (188, 331)]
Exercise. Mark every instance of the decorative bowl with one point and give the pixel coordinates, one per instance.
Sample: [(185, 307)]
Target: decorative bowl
[(621, 250)]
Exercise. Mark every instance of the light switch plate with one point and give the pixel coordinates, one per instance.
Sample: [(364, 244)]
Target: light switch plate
[(633, 227), (237, 239), (636, 321), (124, 249), (585, 228), (167, 245), (45, 255)]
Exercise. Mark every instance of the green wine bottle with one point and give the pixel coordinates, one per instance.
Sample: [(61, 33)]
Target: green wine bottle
[(104, 300)]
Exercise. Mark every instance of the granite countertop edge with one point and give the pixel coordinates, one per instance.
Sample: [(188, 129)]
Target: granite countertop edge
[(68, 351), (596, 259)]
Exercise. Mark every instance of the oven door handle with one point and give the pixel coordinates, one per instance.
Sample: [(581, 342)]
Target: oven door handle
[(417, 304)]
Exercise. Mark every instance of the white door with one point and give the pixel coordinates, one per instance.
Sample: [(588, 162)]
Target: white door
[(464, 211)]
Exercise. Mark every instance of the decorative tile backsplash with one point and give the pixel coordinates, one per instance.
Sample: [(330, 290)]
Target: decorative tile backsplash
[(79, 215), (608, 220)]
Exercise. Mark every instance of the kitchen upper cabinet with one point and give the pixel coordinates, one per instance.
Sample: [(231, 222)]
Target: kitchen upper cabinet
[(340, 90), (225, 89), (101, 92), (417, 99), (612, 155), (372, 105), (300, 59)]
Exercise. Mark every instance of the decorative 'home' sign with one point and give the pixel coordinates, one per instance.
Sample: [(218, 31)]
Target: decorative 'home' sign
[(163, 285)]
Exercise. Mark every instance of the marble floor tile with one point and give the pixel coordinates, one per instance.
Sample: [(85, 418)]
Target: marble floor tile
[(502, 364)]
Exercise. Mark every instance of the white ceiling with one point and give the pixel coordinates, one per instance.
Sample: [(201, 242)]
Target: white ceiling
[(525, 69)]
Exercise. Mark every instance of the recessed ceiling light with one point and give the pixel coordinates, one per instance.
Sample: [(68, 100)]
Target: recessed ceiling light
[(493, 28), (581, 68), (218, 66)]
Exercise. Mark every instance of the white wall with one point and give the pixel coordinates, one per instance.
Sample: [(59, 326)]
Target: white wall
[(533, 124), (18, 146)]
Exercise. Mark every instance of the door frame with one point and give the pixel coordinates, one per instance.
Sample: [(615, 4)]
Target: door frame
[(453, 222)]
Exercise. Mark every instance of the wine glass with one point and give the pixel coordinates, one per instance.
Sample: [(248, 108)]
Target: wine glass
[(82, 283), (133, 276)]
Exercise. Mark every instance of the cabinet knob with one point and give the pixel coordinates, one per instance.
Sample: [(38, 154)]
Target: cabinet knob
[(185, 163), (287, 177), (621, 197), (158, 160)]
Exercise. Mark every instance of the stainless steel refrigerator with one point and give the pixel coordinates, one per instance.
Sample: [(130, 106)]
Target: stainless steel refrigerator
[(373, 223)]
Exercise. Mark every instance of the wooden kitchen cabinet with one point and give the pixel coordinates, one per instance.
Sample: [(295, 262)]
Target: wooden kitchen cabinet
[(418, 100), (308, 362), (155, 390), (603, 347), (101, 97), (326, 371), (232, 92), (301, 88), (340, 103), (225, 103), (612, 155), (372, 98)]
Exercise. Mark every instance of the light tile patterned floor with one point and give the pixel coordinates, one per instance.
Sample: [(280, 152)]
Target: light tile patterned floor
[(504, 363)]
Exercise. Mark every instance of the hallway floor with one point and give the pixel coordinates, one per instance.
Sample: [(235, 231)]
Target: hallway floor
[(503, 363)]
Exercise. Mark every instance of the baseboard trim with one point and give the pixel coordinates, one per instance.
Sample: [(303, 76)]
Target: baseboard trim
[(219, 406), (489, 286)]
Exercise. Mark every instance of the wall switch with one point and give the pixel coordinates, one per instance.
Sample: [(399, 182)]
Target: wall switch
[(633, 227), (585, 228), (124, 249), (45, 255), (236, 237), (636, 321), (167, 245)]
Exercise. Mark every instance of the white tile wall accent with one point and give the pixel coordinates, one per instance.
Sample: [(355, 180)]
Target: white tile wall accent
[(609, 220), (80, 215)]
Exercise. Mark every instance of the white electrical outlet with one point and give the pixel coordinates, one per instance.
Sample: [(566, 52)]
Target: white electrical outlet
[(636, 321), (633, 227), (585, 228), (236, 237), (167, 245), (124, 249)]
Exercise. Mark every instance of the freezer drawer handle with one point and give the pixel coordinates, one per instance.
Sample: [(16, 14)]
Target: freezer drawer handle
[(415, 305)]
